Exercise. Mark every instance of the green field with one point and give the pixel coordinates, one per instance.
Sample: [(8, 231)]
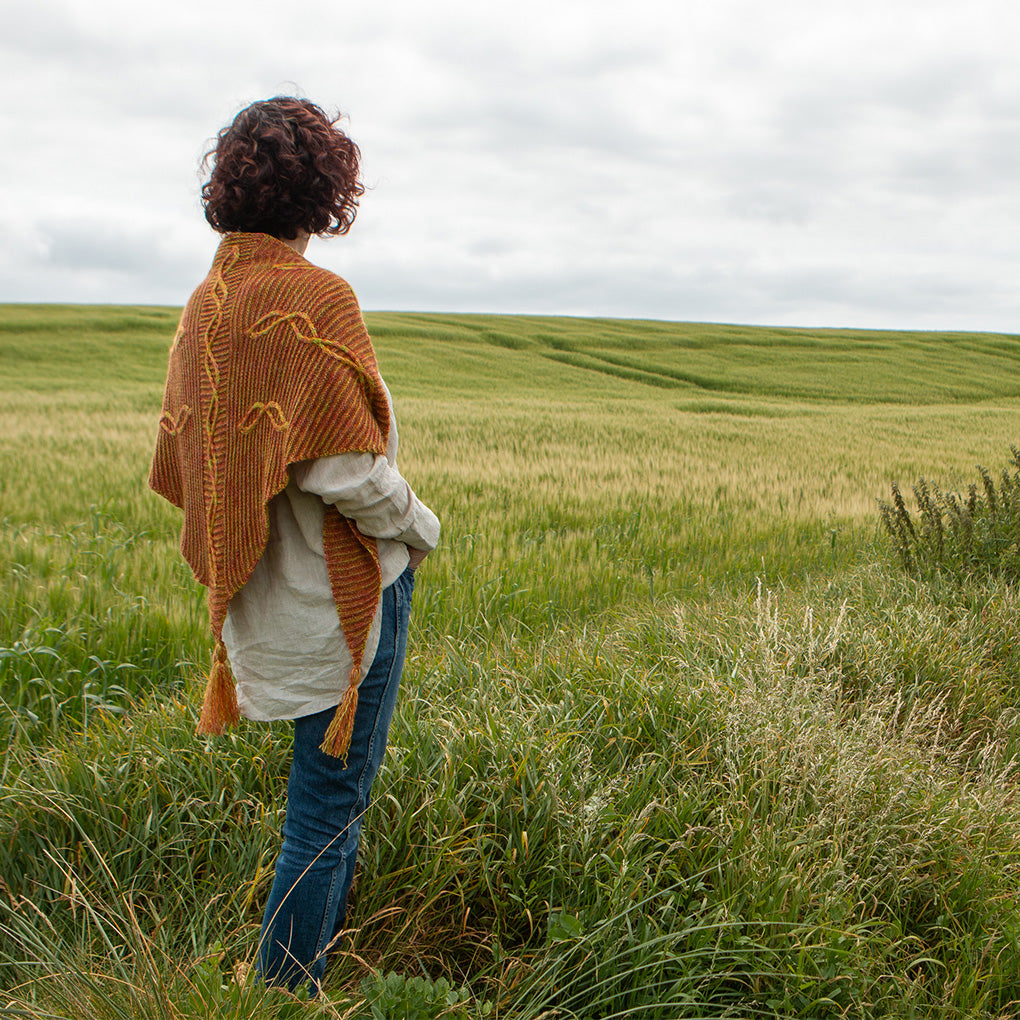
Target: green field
[(677, 738)]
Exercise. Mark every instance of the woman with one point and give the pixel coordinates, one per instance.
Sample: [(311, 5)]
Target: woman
[(277, 440)]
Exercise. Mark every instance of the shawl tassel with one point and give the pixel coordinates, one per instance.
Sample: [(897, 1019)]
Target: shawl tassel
[(337, 741), (219, 710)]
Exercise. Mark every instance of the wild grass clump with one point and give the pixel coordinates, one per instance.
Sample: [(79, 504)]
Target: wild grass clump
[(132, 975), (803, 805), (956, 536), (795, 805)]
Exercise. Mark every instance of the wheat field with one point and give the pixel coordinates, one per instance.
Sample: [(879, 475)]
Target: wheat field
[(677, 737)]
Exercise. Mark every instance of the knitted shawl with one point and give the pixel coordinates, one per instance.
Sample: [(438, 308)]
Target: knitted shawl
[(271, 364)]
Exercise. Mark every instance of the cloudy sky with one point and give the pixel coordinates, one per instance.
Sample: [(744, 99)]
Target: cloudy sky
[(797, 162)]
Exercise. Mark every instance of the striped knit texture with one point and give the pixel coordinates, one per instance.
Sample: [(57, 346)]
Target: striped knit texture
[(271, 364)]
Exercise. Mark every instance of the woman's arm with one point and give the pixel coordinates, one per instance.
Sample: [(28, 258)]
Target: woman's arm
[(370, 491)]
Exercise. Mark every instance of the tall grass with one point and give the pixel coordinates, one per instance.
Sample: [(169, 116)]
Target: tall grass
[(674, 738)]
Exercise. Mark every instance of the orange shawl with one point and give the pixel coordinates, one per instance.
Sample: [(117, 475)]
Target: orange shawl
[(271, 364)]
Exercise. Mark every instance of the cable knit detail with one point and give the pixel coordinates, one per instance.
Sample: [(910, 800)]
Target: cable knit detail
[(258, 410), (172, 425)]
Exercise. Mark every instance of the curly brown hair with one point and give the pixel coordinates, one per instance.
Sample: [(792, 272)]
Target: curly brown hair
[(282, 167)]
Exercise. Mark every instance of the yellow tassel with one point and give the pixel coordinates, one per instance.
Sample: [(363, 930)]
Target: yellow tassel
[(219, 709), (337, 741)]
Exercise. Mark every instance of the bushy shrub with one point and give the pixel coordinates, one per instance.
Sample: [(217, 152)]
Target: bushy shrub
[(959, 536)]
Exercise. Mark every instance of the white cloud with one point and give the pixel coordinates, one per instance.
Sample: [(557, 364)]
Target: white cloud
[(790, 162)]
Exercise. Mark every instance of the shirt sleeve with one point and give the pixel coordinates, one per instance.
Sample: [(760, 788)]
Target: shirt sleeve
[(370, 491)]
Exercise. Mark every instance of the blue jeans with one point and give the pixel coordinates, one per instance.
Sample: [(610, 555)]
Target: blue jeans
[(325, 805)]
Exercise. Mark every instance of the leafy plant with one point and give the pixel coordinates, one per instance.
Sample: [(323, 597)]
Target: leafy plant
[(397, 997), (961, 537)]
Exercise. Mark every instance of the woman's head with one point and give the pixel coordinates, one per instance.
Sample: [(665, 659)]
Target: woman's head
[(282, 167)]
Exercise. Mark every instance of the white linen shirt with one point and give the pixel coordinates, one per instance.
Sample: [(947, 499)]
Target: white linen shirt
[(282, 633)]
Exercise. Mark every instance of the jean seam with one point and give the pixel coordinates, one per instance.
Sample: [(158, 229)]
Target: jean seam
[(397, 607), (324, 935), (354, 814)]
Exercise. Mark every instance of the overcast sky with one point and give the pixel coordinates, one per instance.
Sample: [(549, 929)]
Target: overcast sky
[(797, 162)]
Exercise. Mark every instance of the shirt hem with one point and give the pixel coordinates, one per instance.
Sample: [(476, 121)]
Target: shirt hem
[(308, 708)]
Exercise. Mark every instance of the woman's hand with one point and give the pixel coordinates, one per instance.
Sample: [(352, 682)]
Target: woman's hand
[(415, 557)]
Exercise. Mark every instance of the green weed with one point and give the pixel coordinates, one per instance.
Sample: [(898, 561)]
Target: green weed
[(396, 997), (956, 536)]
